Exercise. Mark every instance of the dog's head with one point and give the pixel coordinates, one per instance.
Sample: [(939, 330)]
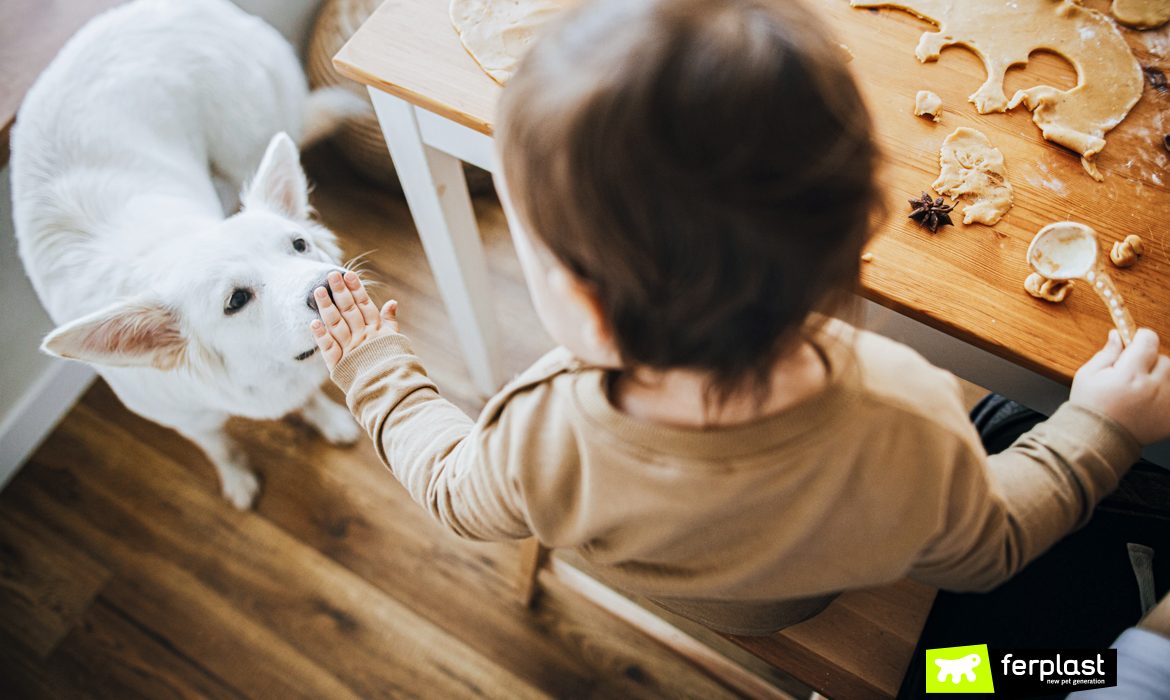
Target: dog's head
[(236, 296)]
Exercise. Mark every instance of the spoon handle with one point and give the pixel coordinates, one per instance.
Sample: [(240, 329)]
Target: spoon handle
[(1103, 284)]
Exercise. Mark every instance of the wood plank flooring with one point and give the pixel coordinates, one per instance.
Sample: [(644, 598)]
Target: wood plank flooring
[(123, 574)]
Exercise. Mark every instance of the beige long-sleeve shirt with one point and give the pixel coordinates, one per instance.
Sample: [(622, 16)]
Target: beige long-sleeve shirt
[(878, 476)]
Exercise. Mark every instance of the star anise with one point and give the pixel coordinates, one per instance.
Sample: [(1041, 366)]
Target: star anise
[(931, 213), (1156, 77)]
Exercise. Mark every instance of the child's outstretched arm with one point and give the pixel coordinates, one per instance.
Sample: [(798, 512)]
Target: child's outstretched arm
[(1050, 480), (456, 469)]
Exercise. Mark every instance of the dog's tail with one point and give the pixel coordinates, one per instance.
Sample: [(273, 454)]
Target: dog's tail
[(328, 108)]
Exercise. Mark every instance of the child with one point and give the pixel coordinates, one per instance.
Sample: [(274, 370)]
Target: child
[(690, 183)]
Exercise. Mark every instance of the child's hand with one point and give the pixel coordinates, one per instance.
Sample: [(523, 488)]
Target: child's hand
[(349, 319), (1131, 386)]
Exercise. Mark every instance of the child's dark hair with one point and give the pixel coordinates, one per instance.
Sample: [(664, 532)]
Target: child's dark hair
[(706, 166)]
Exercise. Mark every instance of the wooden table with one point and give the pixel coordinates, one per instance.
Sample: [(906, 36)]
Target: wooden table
[(958, 295)]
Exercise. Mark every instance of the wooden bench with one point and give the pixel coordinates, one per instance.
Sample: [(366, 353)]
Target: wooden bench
[(31, 34), (858, 648)]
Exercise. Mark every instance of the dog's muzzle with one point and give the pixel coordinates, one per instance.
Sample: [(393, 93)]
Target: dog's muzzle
[(312, 303)]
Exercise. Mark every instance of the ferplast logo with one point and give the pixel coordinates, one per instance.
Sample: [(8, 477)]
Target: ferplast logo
[(959, 670), (1018, 673)]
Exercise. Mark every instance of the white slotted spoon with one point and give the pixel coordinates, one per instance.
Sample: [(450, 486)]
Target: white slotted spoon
[(1066, 250)]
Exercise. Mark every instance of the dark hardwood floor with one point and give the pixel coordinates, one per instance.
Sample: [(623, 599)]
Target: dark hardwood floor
[(123, 574)]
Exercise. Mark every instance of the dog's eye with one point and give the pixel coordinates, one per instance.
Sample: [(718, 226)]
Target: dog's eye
[(237, 301), (300, 245)]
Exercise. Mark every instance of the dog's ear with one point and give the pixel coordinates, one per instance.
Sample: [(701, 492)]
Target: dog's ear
[(132, 333), (280, 184)]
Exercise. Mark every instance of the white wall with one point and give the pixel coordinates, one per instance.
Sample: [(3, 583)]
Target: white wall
[(35, 390), (24, 321), (294, 18)]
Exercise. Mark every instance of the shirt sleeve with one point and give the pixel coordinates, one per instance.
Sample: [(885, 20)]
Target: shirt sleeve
[(1143, 668), (1003, 511), (461, 471)]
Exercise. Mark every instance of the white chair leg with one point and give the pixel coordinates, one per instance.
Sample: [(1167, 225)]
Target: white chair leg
[(436, 191)]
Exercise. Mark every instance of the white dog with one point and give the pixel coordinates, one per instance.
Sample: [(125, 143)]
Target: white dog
[(191, 317)]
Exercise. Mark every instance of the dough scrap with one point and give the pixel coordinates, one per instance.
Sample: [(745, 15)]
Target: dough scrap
[(1004, 32), (1125, 253), (497, 33), (1141, 14), (969, 166), (1041, 287), (926, 103)]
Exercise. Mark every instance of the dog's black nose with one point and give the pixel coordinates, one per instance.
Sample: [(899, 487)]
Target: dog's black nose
[(313, 302)]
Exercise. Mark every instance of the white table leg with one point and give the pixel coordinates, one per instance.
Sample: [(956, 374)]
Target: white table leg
[(436, 192)]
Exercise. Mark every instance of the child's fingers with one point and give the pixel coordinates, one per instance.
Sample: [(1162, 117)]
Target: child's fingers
[(329, 348), (390, 314), (331, 317), (1106, 356), (345, 303), (1161, 371), (362, 297), (1142, 353)]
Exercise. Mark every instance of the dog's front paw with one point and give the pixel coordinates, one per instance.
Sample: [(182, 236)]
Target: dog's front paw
[(240, 487), (342, 430), (334, 422)]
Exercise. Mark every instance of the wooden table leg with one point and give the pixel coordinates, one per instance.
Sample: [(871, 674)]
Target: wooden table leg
[(532, 557), (436, 192)]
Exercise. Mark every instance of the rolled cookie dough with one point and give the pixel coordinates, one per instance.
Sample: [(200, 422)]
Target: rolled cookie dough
[(1142, 14), (1041, 287), (1003, 32), (1125, 253), (969, 166), (497, 33), (926, 103)]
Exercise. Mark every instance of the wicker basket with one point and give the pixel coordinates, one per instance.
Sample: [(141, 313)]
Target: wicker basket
[(360, 140)]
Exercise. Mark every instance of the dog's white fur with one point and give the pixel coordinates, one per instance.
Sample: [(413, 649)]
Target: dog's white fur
[(114, 157)]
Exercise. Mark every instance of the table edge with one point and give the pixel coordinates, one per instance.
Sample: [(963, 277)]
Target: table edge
[(5, 135), (351, 71), (970, 338)]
